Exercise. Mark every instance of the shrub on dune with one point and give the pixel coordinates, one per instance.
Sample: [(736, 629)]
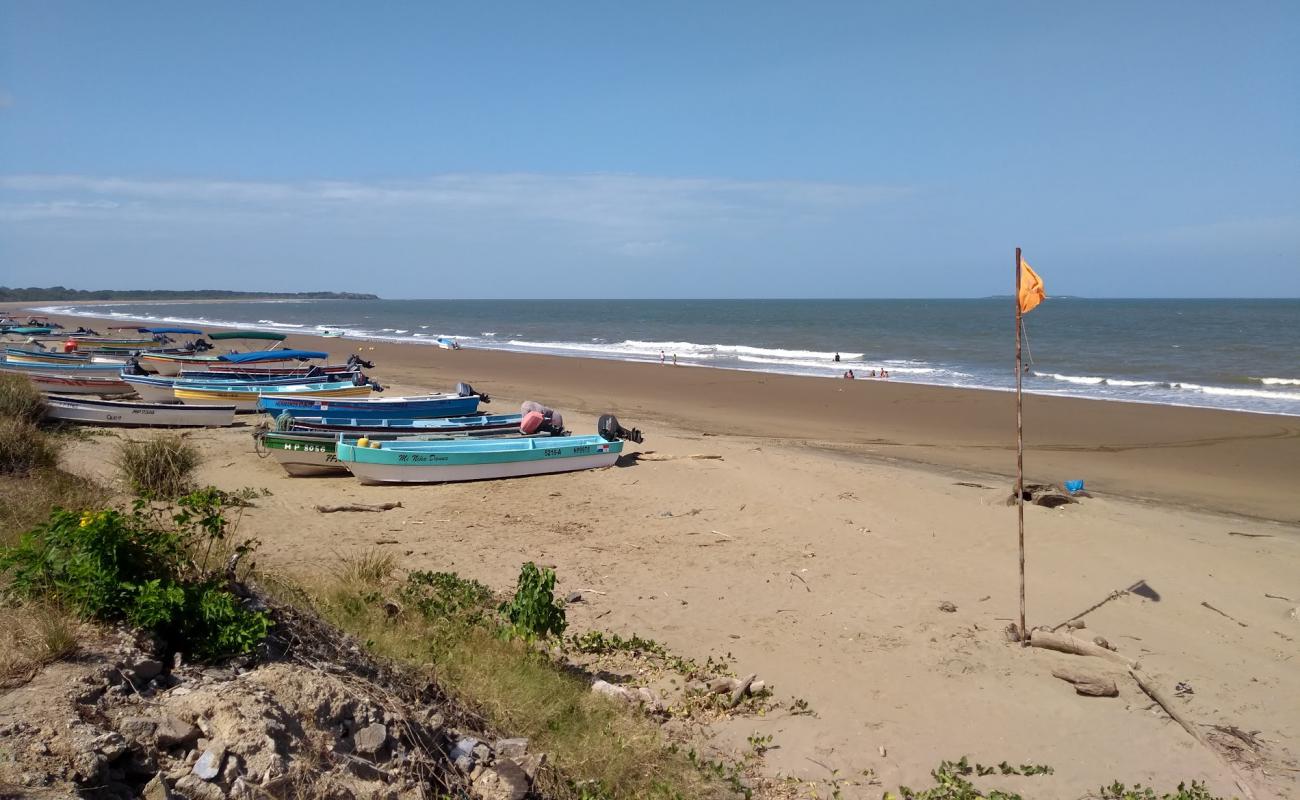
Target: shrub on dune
[(161, 467)]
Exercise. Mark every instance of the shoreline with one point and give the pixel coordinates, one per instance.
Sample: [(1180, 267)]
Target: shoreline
[(1240, 463)]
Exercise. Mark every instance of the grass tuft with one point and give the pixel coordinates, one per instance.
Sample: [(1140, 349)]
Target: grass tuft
[(26, 501), (24, 447), (34, 634), (161, 467), (366, 568), (20, 400)]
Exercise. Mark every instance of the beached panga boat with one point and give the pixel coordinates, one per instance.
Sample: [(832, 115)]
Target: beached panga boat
[(405, 461), (159, 389), (246, 397), (374, 408), (75, 368), (172, 364), (79, 384), (304, 453), (16, 355), (153, 415), (351, 425)]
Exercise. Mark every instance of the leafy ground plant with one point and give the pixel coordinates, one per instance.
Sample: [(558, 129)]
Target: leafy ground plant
[(161, 467), (113, 566), (534, 613)]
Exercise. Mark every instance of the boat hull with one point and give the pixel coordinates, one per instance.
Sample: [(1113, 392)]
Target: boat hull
[(432, 463), (246, 399), (152, 415), (375, 409), (59, 384), (314, 453), (500, 422), (171, 366)]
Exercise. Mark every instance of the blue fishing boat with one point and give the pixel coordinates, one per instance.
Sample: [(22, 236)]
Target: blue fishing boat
[(464, 402), (88, 368), (353, 426), (413, 461), (159, 389)]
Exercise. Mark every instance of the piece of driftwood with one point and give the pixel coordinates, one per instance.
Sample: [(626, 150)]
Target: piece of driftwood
[(739, 692), (666, 457), (1225, 615), (1091, 608), (1064, 643), (1091, 684), (358, 507), (1147, 685)]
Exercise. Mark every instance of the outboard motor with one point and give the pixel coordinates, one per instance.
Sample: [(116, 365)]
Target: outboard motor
[(201, 345), (132, 367), (465, 390), (610, 430), (374, 384), (538, 417), (357, 361)]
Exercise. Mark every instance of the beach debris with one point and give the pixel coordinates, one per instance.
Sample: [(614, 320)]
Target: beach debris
[(1225, 615), (1278, 597), (1047, 495), (736, 688), (1183, 688), (742, 688), (1086, 682), (1064, 643), (1100, 641), (883, 751), (573, 597), (1251, 535), (801, 580), (971, 485), (1073, 487), (653, 456), (1076, 624), (1012, 632), (1140, 588), (947, 606), (358, 507)]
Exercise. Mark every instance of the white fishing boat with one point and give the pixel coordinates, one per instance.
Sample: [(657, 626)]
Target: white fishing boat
[(153, 415)]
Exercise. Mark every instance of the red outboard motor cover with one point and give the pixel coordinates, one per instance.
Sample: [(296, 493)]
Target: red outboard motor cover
[(532, 422)]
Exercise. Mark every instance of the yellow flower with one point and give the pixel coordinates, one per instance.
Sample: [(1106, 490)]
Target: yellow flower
[(87, 518)]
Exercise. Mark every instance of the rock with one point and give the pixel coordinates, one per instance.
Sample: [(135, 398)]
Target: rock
[(110, 745), (370, 739), (194, 788), (140, 729), (1076, 624), (155, 789), (462, 755), (209, 764), (147, 669), (573, 597), (531, 764), (947, 606), (1086, 682), (609, 690), (482, 752), (511, 748), (504, 780)]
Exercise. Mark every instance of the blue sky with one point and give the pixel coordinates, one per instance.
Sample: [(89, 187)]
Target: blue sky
[(663, 150)]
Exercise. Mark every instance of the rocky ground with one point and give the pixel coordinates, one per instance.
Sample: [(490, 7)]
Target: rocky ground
[(312, 716)]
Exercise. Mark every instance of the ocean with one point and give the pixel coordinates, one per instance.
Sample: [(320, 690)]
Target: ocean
[(1232, 354)]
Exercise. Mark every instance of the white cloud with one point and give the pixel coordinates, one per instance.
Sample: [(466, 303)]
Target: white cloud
[(630, 214)]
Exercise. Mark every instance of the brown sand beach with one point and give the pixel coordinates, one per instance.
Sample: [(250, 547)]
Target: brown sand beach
[(828, 523)]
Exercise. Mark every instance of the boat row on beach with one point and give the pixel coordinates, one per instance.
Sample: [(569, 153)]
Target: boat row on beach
[(326, 419)]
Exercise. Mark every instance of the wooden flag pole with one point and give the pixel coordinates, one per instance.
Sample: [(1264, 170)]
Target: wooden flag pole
[(1020, 457)]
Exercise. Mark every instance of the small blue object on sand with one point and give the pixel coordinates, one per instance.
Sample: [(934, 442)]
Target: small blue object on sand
[(1074, 487)]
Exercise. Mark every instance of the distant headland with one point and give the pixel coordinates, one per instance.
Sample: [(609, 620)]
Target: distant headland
[(62, 293)]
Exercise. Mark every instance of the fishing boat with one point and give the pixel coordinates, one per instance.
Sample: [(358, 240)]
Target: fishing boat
[(159, 389), (354, 363), (351, 425), (79, 384), (246, 396), (406, 461), (59, 369), (171, 364), (447, 343), (153, 415), (303, 453), (16, 355), (464, 402)]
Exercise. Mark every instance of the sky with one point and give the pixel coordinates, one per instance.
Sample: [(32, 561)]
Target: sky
[(667, 149)]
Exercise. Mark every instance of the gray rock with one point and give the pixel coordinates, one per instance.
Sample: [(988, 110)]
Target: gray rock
[(573, 597), (175, 732), (141, 729), (209, 764), (511, 748), (504, 780), (482, 752), (147, 669), (531, 764), (111, 746), (370, 739)]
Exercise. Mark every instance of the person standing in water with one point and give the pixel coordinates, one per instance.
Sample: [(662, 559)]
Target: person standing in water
[(837, 358), (661, 358)]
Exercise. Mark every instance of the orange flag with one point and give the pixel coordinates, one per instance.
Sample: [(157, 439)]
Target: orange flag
[(1031, 288)]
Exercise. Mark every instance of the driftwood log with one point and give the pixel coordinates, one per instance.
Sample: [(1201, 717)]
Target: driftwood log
[(652, 456), (738, 693), (1064, 643), (358, 507)]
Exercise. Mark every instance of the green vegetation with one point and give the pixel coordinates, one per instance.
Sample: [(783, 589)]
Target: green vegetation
[(15, 294), (454, 630), (136, 568), (534, 613), (951, 783), (161, 467), (23, 446)]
